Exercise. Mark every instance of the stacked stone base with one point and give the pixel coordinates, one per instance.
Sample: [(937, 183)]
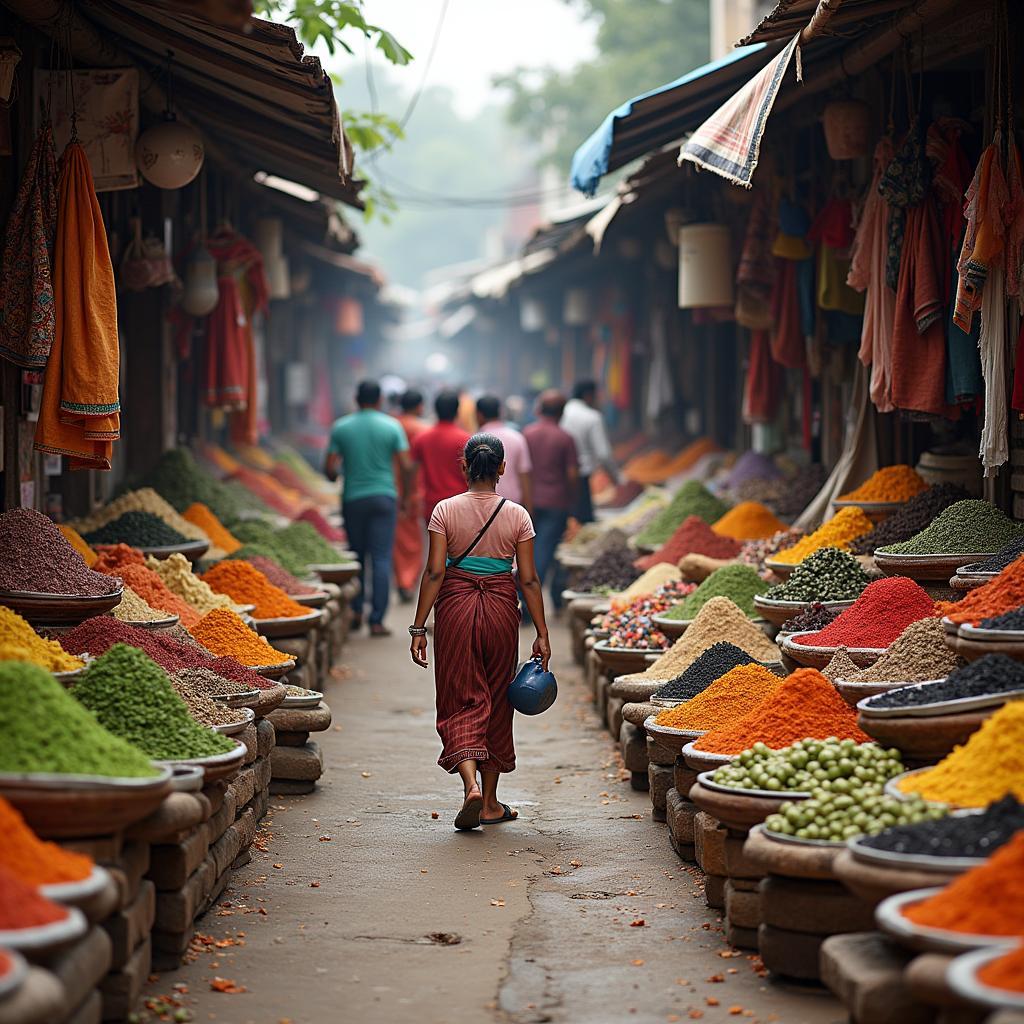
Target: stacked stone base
[(297, 762)]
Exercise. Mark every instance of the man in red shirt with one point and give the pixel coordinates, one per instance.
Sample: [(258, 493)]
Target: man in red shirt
[(438, 450), (555, 478)]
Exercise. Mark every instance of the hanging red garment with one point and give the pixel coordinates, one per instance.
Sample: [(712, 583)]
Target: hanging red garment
[(763, 388), (919, 339), (787, 339), (227, 354)]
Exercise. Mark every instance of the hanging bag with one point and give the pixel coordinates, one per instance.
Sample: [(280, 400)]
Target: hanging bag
[(534, 689)]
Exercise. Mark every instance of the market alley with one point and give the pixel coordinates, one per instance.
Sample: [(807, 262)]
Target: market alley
[(364, 906)]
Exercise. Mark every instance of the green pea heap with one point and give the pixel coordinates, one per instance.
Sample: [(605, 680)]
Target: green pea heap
[(827, 575), (132, 696), (831, 765)]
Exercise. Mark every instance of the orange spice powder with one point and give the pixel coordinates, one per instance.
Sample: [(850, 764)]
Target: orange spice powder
[(1006, 972), (245, 584), (224, 633), (77, 541), (220, 536), (112, 557), (32, 859), (1000, 594), (727, 699)]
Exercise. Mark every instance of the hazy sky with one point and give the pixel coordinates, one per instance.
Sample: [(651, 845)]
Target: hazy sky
[(480, 38)]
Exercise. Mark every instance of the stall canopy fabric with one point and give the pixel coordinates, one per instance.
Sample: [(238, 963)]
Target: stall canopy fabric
[(661, 116)]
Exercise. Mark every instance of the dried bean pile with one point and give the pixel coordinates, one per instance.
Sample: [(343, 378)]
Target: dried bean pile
[(207, 681), (1012, 620), (814, 616), (711, 665), (138, 530), (993, 674), (911, 518), (827, 575)]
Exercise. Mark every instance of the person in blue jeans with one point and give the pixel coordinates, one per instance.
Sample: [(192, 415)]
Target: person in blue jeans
[(370, 448)]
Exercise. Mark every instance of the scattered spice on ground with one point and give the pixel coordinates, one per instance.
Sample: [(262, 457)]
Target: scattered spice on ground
[(1005, 972), (280, 577), (220, 536), (987, 767), (991, 675), (920, 652), (44, 729), (132, 608), (965, 527), (827, 575), (1001, 559), (987, 900), (891, 483), (815, 616), (202, 707), (207, 681), (714, 663), (805, 705), (611, 571), (110, 558), (23, 906), (655, 577), (749, 520), (727, 699), (910, 518), (132, 696), (33, 860), (839, 532), (316, 519), (77, 541), (35, 557), (877, 617), (178, 576), (739, 583), (692, 537), (20, 642), (245, 584), (152, 589), (692, 499), (841, 666), (1003, 593), (138, 529), (224, 633)]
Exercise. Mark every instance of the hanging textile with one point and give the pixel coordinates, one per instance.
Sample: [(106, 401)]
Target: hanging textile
[(729, 141), (787, 337), (832, 232), (79, 415), (995, 440), (227, 356), (763, 389), (867, 274), (660, 395), (755, 274), (903, 185), (26, 281)]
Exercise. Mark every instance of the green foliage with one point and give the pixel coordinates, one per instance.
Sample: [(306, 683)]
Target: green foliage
[(641, 44)]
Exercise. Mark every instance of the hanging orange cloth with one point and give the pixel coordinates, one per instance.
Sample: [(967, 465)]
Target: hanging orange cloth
[(80, 412)]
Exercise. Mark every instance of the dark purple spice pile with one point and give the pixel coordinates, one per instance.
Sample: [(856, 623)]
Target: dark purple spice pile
[(814, 616), (614, 570), (35, 557), (1000, 560)]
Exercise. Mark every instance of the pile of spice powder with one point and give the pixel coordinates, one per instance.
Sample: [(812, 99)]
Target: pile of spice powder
[(202, 707), (44, 729), (132, 696), (840, 666), (33, 860), (133, 609), (655, 577), (77, 541), (692, 499), (20, 642), (692, 537), (280, 577), (738, 583), (730, 697), (920, 652), (154, 592), (23, 906), (754, 552), (35, 557), (877, 617), (208, 682), (1000, 560), (965, 527), (987, 900), (1005, 972), (181, 481), (749, 520), (804, 706), (308, 546), (910, 518), (224, 633), (258, 537), (111, 558), (839, 532), (143, 500), (177, 575), (991, 675), (827, 575), (137, 529), (245, 584), (718, 620), (608, 540), (714, 663), (220, 536), (1003, 593), (316, 519), (609, 572), (815, 616), (987, 767), (749, 466), (892, 483)]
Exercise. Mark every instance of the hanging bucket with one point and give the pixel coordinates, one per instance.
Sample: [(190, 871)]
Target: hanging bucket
[(847, 129), (705, 266)]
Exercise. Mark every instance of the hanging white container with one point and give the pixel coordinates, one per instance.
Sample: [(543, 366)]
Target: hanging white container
[(576, 307), (201, 294), (847, 129), (278, 278), (705, 266), (169, 154), (270, 238), (532, 315)]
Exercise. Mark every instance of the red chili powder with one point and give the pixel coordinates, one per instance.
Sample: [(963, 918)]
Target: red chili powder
[(315, 518), (113, 557), (23, 906), (884, 609), (692, 537)]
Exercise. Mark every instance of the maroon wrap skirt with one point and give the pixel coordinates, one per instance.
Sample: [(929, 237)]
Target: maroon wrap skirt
[(476, 650)]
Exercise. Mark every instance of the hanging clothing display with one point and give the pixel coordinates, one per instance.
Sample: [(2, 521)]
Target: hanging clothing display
[(26, 281), (763, 389), (903, 185), (787, 336), (79, 416), (995, 435), (755, 274)]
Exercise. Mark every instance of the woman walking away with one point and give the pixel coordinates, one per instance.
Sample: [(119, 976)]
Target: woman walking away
[(474, 538)]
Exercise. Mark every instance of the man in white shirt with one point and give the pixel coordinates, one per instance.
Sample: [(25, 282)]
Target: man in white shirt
[(584, 421), (515, 484)]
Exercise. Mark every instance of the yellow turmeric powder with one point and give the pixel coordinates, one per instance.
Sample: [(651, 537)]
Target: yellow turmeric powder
[(839, 532), (20, 642), (891, 483)]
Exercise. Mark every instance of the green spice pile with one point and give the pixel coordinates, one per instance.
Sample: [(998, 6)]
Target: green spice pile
[(44, 729), (260, 538), (827, 575), (836, 817), (692, 499), (739, 583), (964, 527), (133, 697), (137, 529), (910, 519), (179, 480), (307, 545)]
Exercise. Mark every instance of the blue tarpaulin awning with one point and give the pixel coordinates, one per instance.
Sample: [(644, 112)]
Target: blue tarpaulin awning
[(661, 116)]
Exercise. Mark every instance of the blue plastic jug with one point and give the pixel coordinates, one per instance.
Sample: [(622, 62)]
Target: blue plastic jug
[(533, 690)]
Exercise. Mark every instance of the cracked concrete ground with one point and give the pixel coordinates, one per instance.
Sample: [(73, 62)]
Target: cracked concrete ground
[(365, 907)]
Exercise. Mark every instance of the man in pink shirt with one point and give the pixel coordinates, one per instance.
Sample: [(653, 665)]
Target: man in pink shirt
[(515, 484)]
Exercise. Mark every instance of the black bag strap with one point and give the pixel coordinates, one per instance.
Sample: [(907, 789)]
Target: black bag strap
[(480, 535)]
